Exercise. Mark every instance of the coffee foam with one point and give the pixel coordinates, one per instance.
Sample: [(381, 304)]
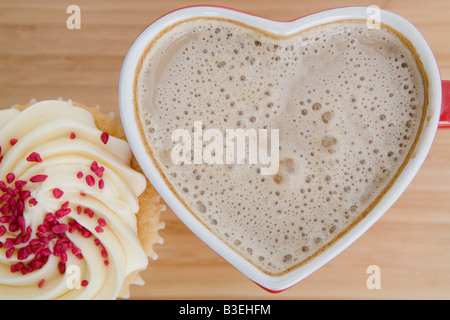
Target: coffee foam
[(348, 103)]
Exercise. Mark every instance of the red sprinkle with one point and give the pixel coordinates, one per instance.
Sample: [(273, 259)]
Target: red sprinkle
[(34, 157), (85, 233), (33, 201), (8, 243), (9, 252), (20, 183), (90, 180), (62, 212), (16, 267), (4, 219), (73, 135), (10, 177), (38, 178), (12, 141), (5, 209), (101, 222), (63, 257), (23, 253), (41, 283), (57, 193), (104, 137), (25, 194), (61, 267), (49, 218), (99, 229), (79, 175), (89, 212), (101, 184), (95, 168), (65, 205), (59, 228), (84, 283)]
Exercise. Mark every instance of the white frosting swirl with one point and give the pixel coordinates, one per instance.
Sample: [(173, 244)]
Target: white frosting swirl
[(102, 218)]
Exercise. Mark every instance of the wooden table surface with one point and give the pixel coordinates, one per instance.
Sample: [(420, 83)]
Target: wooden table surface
[(40, 58)]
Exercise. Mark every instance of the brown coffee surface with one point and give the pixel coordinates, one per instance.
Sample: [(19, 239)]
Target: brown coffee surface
[(348, 102)]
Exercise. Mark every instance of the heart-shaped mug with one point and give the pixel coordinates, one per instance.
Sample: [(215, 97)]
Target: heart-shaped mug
[(436, 116)]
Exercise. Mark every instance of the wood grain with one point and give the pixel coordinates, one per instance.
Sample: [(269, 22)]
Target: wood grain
[(40, 58)]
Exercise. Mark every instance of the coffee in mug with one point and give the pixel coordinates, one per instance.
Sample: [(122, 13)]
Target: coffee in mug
[(347, 102)]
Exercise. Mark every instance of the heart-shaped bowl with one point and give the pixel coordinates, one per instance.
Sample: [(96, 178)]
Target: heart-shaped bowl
[(129, 120)]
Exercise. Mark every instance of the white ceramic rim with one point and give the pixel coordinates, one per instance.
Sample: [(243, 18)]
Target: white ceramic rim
[(278, 283)]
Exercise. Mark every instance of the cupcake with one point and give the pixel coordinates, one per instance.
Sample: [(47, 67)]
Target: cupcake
[(78, 219)]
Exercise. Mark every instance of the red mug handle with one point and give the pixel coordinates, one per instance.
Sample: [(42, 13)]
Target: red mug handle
[(444, 120)]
